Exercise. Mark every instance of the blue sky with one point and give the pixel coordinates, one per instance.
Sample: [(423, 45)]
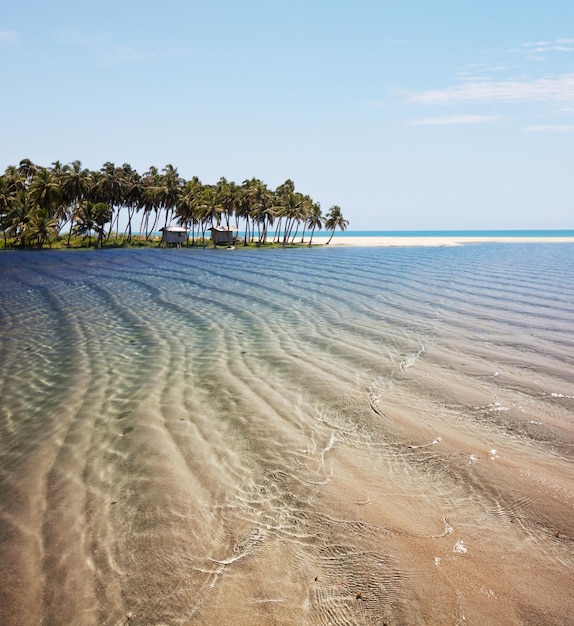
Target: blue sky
[(408, 114)]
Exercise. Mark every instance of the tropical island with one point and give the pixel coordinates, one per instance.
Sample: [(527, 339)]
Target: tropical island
[(71, 206)]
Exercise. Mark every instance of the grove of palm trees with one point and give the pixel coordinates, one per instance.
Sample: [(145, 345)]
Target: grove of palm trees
[(71, 206)]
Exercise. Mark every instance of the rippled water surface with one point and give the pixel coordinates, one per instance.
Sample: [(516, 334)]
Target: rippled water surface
[(318, 436)]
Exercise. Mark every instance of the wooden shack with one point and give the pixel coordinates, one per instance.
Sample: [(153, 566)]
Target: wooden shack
[(173, 235), (223, 235)]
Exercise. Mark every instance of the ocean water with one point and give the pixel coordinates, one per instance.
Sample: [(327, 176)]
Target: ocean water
[(294, 436), (451, 233), (426, 233)]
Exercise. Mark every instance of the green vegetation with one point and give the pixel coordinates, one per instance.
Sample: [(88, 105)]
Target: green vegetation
[(71, 206)]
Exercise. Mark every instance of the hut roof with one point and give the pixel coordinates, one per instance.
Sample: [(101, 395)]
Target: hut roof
[(174, 229), (224, 229)]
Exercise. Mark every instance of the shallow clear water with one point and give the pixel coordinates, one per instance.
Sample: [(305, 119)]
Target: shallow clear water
[(346, 436)]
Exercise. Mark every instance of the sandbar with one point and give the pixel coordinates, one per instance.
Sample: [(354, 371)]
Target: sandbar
[(432, 241)]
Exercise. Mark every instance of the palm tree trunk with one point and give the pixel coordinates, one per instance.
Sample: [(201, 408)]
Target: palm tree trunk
[(296, 225), (246, 230), (143, 223), (112, 220), (331, 237), (128, 232), (286, 231), (277, 231), (153, 226), (311, 238), (117, 220)]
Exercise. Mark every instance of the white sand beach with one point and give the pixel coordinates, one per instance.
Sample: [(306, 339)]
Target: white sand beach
[(431, 241)]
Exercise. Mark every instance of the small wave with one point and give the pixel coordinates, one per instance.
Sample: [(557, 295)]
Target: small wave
[(411, 359)]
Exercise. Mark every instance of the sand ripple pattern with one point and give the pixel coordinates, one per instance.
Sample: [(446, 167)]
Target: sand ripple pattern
[(326, 436)]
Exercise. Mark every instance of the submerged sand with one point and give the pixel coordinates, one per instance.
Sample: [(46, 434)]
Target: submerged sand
[(370, 438)]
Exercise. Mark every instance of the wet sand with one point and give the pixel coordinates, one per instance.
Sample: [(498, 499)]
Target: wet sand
[(287, 437)]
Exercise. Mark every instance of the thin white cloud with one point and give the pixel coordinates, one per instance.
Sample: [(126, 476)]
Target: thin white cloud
[(454, 120), (112, 54), (549, 128), (536, 50), (9, 37), (472, 69), (561, 45), (558, 90)]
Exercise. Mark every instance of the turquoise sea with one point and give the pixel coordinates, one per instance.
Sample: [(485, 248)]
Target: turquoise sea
[(330, 435), (433, 233)]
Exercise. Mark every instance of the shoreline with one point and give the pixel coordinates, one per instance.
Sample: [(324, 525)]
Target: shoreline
[(432, 241), (375, 241)]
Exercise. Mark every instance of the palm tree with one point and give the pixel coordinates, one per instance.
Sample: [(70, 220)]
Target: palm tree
[(212, 207), (76, 182), (150, 201), (133, 194), (45, 193), (281, 201), (27, 169), (18, 216), (187, 209), (45, 190), (242, 210), (40, 227), (228, 195), (167, 191), (260, 202), (208, 209), (314, 219), (13, 201), (92, 216), (102, 215), (111, 190), (291, 208), (8, 194), (76, 186), (83, 220), (334, 220)]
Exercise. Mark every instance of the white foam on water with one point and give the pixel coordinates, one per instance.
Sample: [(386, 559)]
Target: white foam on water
[(498, 407)]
